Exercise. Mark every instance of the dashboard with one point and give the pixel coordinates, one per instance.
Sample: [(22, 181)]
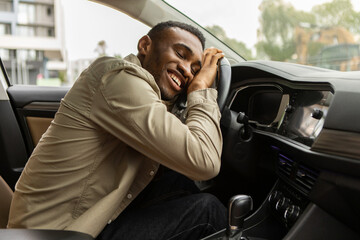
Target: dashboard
[(303, 124), (295, 114)]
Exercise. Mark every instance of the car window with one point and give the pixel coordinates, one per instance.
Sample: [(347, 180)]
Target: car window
[(52, 42), (298, 31)]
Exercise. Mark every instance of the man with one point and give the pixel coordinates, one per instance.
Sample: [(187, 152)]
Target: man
[(110, 135)]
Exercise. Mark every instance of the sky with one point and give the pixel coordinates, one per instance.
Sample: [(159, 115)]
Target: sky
[(87, 23)]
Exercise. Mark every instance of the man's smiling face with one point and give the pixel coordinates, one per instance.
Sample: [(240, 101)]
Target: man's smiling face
[(173, 58)]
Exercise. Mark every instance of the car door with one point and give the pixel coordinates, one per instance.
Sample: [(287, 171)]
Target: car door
[(26, 114)]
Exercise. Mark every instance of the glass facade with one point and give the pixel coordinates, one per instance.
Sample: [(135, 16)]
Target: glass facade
[(5, 29), (25, 31), (35, 31), (6, 6), (35, 20), (28, 19), (26, 13)]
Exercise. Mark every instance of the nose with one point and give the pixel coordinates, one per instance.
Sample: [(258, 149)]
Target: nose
[(185, 69)]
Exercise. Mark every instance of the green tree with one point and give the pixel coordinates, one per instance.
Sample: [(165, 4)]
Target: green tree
[(337, 13), (276, 34), (279, 20), (62, 76), (236, 45), (101, 48)]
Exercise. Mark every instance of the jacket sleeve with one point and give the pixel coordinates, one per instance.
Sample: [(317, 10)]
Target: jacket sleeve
[(129, 107)]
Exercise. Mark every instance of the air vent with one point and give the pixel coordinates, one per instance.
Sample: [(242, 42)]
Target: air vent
[(306, 177), (297, 174), (285, 165)]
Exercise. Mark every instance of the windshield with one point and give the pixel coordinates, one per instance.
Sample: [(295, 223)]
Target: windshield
[(320, 33)]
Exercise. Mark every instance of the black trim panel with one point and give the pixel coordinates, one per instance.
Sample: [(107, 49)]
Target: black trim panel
[(12, 147), (302, 153), (315, 223), (21, 95)]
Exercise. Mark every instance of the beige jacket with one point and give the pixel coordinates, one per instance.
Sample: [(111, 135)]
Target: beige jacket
[(105, 145)]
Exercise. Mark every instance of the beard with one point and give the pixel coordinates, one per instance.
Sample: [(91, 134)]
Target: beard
[(159, 73), (166, 94)]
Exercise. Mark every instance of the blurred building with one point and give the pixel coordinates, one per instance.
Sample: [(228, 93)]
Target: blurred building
[(329, 47), (32, 44)]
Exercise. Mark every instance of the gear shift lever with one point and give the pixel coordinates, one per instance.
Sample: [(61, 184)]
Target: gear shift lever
[(239, 207)]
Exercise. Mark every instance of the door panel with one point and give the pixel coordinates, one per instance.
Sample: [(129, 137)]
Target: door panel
[(37, 127), (21, 95), (29, 112), (34, 108)]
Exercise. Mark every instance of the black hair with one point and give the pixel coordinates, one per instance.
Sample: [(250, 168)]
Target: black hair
[(158, 28)]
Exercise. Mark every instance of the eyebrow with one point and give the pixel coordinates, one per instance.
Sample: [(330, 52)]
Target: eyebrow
[(189, 50)]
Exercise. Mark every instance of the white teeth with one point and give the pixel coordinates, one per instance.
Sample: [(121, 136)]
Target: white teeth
[(175, 79)]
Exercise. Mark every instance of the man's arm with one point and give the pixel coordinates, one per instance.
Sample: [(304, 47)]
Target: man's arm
[(129, 107)]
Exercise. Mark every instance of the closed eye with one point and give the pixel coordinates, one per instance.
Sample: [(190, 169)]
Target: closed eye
[(180, 55)]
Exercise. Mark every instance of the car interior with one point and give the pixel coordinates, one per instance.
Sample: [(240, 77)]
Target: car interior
[(291, 157)]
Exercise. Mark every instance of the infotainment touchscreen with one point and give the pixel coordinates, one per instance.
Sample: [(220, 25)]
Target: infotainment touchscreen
[(305, 115)]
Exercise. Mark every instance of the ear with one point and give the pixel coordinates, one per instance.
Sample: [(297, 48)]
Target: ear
[(144, 45)]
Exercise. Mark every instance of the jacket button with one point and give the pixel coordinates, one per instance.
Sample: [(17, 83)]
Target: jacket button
[(152, 173), (129, 196)]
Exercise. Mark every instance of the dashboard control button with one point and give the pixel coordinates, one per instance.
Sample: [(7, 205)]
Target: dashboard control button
[(245, 131), (242, 118), (275, 197), (292, 213), (283, 204), (317, 113)]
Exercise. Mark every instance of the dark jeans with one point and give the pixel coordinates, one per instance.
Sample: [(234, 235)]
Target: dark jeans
[(171, 207)]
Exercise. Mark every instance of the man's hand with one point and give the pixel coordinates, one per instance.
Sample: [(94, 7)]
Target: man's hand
[(206, 76)]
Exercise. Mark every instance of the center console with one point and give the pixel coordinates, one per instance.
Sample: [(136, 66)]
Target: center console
[(285, 203)]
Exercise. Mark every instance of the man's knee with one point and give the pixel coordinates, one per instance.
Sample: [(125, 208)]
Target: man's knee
[(212, 209), (208, 203), (207, 200)]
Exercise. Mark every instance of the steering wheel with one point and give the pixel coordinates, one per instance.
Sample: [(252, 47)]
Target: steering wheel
[(223, 82)]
